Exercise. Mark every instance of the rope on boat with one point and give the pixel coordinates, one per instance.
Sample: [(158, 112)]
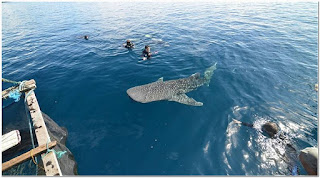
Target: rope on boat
[(31, 134), (35, 162), (59, 154), (15, 94), (21, 85), (10, 81)]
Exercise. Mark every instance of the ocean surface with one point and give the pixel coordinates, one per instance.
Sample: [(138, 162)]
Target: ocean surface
[(266, 56)]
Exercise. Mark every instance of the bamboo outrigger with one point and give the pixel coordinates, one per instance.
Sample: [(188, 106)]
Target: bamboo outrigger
[(28, 85), (49, 160), (26, 156), (10, 140)]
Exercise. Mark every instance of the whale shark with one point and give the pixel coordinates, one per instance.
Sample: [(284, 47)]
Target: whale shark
[(172, 90)]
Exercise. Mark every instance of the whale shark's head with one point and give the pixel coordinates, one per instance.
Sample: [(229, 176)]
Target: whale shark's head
[(137, 94)]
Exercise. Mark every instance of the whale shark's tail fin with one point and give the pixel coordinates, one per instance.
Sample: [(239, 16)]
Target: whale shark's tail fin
[(208, 73)]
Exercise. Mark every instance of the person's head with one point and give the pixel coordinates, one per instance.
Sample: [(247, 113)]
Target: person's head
[(128, 41), (270, 128), (147, 48), (86, 37)]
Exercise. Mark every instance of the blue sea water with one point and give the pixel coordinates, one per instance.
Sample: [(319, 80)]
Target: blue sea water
[(266, 56)]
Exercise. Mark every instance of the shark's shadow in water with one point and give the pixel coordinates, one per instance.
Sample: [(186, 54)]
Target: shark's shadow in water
[(172, 90)]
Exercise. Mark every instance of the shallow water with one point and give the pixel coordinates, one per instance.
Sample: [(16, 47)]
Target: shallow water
[(266, 71)]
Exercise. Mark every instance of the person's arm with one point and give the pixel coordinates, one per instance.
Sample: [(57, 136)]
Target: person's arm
[(243, 123), (247, 124)]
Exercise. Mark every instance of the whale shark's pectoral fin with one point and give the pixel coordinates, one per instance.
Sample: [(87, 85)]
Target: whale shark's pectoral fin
[(184, 99)]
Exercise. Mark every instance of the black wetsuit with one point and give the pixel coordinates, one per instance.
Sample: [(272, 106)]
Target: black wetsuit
[(129, 45), (247, 124), (147, 54)]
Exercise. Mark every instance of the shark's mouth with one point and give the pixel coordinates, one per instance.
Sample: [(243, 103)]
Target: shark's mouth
[(136, 95)]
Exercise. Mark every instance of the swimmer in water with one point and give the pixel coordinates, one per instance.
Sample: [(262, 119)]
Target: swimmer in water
[(146, 53), (129, 44), (86, 37), (272, 130)]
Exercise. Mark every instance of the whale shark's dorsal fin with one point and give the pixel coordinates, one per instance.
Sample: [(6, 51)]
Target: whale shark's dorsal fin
[(196, 75), (184, 99), (160, 79)]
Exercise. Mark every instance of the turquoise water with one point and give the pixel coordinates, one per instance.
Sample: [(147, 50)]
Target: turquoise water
[(266, 58)]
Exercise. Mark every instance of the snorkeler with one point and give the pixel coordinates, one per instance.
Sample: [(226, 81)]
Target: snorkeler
[(270, 128), (146, 53), (86, 37), (308, 157), (129, 44)]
